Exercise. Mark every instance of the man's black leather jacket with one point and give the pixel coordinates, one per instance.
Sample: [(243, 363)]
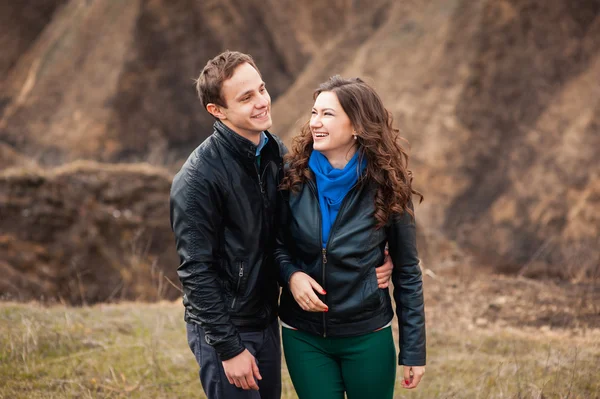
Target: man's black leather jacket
[(346, 270), (223, 214)]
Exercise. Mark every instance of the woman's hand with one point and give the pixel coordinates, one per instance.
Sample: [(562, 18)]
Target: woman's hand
[(412, 376), (303, 289)]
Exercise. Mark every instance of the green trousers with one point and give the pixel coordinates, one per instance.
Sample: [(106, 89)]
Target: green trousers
[(325, 368)]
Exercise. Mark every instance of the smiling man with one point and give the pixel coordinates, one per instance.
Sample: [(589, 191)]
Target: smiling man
[(223, 215), (222, 212)]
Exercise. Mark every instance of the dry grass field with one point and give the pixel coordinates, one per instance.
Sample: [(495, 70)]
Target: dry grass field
[(139, 350)]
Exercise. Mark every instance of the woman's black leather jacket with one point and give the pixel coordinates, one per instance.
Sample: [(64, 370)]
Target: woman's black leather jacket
[(345, 268)]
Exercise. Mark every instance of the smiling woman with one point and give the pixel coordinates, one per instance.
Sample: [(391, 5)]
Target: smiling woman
[(349, 194), (332, 131), (348, 115)]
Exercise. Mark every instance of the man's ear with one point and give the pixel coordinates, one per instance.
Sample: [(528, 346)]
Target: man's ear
[(215, 111)]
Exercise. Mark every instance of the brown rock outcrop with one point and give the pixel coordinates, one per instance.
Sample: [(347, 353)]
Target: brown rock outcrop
[(500, 102), (86, 232), (113, 81), (22, 22)]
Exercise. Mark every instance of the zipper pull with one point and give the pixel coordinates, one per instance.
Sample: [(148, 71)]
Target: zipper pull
[(260, 183), (241, 270), (324, 255)]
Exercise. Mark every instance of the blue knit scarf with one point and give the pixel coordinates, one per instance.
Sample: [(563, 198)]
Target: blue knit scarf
[(332, 186)]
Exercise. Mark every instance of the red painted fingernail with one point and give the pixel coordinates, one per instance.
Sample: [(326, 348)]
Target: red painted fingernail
[(324, 292), (327, 309), (406, 382)]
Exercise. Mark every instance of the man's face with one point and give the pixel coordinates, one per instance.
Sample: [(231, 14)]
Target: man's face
[(248, 110)]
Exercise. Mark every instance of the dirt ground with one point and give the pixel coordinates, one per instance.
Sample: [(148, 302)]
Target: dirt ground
[(477, 299)]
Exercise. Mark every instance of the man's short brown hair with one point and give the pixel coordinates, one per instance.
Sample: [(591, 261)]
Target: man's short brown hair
[(216, 71)]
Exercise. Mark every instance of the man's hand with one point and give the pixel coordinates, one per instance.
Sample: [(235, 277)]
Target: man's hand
[(384, 272), (241, 370), (412, 376), (303, 289)]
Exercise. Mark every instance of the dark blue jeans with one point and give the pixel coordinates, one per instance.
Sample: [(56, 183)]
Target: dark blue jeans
[(264, 345)]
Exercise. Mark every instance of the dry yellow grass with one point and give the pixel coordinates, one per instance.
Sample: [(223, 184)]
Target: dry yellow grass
[(138, 350)]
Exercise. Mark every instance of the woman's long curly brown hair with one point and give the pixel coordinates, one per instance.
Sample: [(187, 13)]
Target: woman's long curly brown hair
[(378, 141)]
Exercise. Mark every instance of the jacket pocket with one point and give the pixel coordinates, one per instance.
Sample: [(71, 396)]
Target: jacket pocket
[(372, 295), (238, 285)]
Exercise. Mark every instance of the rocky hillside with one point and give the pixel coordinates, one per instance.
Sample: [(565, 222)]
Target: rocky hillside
[(499, 99), (113, 81)]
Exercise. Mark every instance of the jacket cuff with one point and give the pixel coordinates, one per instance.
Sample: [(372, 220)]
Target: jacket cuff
[(411, 361), (230, 348), (287, 272)]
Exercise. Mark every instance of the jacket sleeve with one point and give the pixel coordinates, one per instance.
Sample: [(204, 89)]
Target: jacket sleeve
[(283, 259), (196, 216), (408, 290)]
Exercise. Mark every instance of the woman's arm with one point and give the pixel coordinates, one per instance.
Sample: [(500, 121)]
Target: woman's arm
[(291, 277), (408, 290)]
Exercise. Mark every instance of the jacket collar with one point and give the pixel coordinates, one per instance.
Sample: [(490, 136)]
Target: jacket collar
[(238, 144)]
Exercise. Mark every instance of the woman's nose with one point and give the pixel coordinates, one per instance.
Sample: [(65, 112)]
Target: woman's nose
[(315, 121)]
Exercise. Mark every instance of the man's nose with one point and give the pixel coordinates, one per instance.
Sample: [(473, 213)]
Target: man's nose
[(262, 102)]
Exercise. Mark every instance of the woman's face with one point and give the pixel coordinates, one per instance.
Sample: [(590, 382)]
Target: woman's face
[(330, 126)]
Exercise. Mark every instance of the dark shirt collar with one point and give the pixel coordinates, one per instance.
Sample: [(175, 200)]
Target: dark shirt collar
[(240, 145)]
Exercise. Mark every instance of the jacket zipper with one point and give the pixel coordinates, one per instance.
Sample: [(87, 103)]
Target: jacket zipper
[(313, 189), (237, 287), (324, 251), (260, 184), (331, 231)]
